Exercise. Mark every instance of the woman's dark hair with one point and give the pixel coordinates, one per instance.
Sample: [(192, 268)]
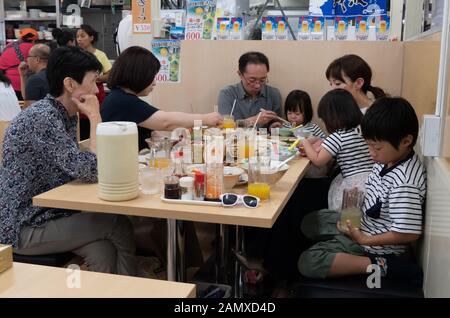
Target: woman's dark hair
[(339, 110), (354, 67), (390, 119), (4, 78), (69, 61), (63, 36), (298, 100), (90, 31), (134, 69), (252, 58)]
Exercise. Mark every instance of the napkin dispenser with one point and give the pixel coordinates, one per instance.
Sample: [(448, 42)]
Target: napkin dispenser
[(117, 161)]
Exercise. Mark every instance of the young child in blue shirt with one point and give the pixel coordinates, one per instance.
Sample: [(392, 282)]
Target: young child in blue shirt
[(392, 209)]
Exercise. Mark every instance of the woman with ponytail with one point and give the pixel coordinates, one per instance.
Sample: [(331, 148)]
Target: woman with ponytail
[(353, 74)]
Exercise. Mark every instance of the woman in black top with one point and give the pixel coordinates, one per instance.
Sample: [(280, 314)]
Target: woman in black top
[(133, 76)]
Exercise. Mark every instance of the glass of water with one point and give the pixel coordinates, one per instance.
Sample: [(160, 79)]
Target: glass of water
[(149, 179)]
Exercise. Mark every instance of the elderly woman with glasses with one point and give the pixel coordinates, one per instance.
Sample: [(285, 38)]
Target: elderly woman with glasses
[(252, 95)]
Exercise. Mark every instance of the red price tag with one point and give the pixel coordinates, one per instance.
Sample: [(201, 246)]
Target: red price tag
[(161, 78), (195, 35)]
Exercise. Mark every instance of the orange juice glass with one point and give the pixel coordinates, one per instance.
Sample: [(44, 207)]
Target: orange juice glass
[(159, 162), (228, 122), (260, 190)]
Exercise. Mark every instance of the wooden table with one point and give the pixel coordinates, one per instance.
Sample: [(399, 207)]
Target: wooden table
[(80, 196), (27, 280)]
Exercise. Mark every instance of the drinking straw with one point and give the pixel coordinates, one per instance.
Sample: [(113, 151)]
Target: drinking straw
[(216, 108), (256, 122), (232, 108)]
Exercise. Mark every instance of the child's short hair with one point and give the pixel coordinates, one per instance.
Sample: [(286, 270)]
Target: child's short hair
[(339, 110), (300, 100), (390, 119)]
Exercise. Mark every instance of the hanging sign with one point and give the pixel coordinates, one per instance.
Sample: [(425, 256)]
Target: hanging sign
[(347, 7), (168, 54), (200, 19), (142, 16)]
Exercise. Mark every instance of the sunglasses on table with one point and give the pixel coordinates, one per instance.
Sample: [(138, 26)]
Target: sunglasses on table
[(231, 199)]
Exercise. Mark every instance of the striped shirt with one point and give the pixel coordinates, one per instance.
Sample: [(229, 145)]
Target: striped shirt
[(393, 202), (315, 130), (351, 151)]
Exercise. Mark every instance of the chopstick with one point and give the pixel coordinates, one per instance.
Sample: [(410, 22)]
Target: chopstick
[(284, 120), (280, 118)]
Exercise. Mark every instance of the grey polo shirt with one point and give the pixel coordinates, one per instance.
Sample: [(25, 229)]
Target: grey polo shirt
[(269, 99)]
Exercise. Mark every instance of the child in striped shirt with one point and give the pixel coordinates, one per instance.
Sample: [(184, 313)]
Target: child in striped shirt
[(342, 117), (392, 208), (298, 110)]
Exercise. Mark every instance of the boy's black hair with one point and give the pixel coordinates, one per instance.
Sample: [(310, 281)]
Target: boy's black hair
[(339, 110), (390, 119), (70, 62), (134, 69), (299, 100), (252, 58)]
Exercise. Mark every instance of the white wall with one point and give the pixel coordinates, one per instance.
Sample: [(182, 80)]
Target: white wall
[(435, 254)]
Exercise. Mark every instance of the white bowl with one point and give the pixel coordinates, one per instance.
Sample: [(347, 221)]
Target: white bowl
[(273, 175), (231, 176)]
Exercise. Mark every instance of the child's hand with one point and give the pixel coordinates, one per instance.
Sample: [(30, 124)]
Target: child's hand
[(317, 144), (354, 233), (301, 148), (276, 124)]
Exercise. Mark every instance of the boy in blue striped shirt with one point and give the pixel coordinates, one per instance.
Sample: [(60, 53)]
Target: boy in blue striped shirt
[(392, 208)]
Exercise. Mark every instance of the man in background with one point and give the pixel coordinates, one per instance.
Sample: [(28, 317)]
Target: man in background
[(36, 86)]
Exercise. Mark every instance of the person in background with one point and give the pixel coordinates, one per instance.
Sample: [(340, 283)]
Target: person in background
[(17, 52), (392, 210), (36, 86), (133, 76), (298, 110), (86, 38), (124, 33), (342, 117), (353, 74), (9, 105), (252, 93), (63, 37), (45, 135)]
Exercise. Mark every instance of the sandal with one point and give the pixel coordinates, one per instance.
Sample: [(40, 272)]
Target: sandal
[(254, 272)]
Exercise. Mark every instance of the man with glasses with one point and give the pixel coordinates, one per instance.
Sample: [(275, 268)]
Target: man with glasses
[(36, 86), (252, 94)]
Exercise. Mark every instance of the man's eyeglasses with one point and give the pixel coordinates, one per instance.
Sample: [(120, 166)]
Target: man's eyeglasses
[(42, 58), (254, 81), (231, 199)]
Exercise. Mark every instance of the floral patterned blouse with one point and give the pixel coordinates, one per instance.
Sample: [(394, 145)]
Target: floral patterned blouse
[(40, 152)]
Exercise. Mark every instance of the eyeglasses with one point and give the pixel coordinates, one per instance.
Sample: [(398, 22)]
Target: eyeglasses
[(254, 81), (231, 199), (42, 58)]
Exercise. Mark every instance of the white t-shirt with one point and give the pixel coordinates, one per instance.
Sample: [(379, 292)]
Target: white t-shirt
[(9, 104), (124, 32)]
